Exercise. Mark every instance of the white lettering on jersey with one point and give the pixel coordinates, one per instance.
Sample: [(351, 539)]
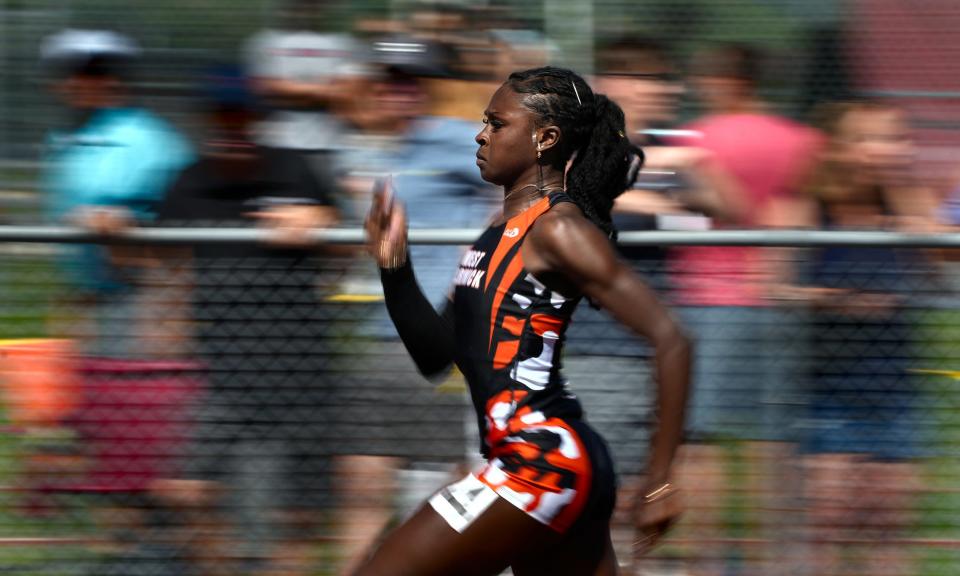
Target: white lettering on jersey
[(468, 275), (472, 258)]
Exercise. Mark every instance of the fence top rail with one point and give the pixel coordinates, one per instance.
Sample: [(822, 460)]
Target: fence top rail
[(437, 236)]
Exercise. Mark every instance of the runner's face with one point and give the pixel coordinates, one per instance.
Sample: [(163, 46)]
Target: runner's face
[(507, 150)]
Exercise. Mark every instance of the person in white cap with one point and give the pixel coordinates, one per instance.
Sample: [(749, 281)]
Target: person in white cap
[(105, 170), (303, 76)]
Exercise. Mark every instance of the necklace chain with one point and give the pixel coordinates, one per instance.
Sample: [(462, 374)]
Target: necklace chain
[(544, 189)]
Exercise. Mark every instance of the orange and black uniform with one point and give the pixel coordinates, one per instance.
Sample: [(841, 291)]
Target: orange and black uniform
[(505, 330)]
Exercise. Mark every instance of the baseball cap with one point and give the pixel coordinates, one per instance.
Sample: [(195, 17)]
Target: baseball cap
[(411, 56), (71, 50), (227, 86)]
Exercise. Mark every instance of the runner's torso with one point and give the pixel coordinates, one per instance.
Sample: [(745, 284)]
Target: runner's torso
[(509, 333)]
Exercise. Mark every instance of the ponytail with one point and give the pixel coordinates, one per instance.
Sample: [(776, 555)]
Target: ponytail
[(605, 166), (605, 162)]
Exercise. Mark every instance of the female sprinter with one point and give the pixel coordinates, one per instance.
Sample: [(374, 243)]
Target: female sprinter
[(542, 504)]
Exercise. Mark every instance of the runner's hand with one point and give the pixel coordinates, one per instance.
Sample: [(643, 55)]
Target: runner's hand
[(386, 227), (658, 507)]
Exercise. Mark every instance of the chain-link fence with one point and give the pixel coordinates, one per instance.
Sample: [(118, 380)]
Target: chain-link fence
[(207, 405), (232, 407)]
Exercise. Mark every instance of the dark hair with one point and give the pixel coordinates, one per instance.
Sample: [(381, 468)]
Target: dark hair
[(592, 125), (731, 60), (823, 183), (828, 116), (225, 87), (96, 65), (629, 53)]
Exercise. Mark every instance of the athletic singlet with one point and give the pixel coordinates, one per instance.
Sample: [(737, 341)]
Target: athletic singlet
[(509, 333)]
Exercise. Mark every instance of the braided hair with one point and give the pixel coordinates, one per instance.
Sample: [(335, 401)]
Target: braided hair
[(606, 163)]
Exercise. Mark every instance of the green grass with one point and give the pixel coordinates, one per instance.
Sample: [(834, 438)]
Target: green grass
[(28, 284), (938, 337)]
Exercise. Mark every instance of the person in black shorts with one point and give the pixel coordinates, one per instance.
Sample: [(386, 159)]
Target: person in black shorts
[(542, 502)]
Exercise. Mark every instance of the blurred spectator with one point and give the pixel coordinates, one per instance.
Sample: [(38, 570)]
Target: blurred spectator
[(676, 188), (432, 163), (432, 159), (485, 57), (105, 171), (260, 458), (679, 186), (862, 433), (949, 218), (950, 211), (743, 376), (443, 22), (484, 44), (519, 49), (604, 360), (304, 77)]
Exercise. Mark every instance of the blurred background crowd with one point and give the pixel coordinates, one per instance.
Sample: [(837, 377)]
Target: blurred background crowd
[(237, 407)]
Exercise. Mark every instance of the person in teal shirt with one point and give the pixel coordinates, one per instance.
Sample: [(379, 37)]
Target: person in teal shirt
[(106, 170)]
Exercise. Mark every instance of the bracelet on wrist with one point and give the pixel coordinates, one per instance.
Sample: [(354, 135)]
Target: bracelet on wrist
[(391, 259), (659, 493)]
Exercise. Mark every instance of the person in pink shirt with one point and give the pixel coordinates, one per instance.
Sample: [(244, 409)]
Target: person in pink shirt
[(743, 370), (768, 155)]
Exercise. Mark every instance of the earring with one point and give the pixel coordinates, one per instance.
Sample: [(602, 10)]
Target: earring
[(539, 150)]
